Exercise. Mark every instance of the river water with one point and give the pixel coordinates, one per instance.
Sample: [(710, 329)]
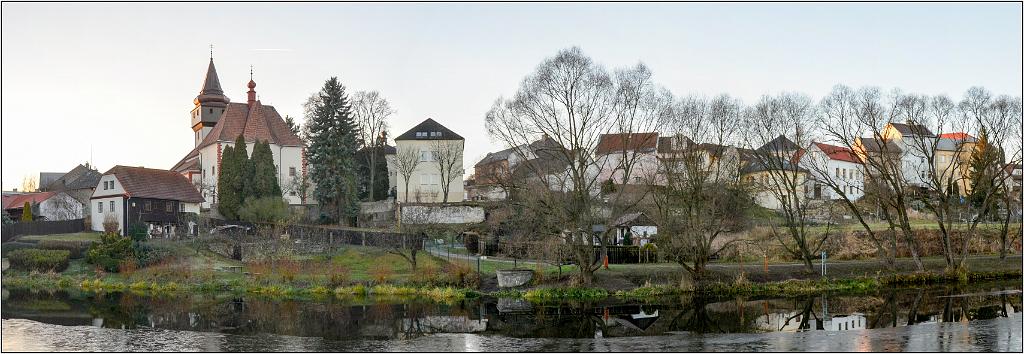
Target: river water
[(980, 317)]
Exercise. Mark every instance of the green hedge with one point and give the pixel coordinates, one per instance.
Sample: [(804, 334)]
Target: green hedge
[(77, 248), (9, 247), (39, 260)]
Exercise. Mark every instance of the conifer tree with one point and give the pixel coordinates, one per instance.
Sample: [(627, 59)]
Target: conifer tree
[(244, 185), (984, 164), (264, 181), (228, 200), (333, 141), (26, 213)]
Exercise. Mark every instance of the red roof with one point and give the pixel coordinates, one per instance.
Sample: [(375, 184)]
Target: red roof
[(255, 122), (140, 182), (611, 143), (957, 136), (838, 153), (18, 201)]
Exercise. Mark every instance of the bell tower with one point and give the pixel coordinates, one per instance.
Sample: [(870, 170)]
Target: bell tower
[(209, 104)]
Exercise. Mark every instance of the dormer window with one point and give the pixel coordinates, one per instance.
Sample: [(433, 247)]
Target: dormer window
[(435, 134), (421, 134)]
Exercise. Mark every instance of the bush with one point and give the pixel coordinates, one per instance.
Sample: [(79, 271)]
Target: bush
[(472, 242), (110, 251), (11, 246), (339, 275), (76, 248), (111, 225), (268, 209), (148, 255), (39, 260), (380, 273)]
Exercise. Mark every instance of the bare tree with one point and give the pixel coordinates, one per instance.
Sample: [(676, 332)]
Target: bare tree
[(1006, 115), (698, 198), (570, 99), (448, 155), (406, 161), (371, 112), (29, 184), (778, 132)]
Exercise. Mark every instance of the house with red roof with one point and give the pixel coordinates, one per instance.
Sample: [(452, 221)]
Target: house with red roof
[(155, 199), (635, 152), (49, 206), (837, 164), (216, 124)]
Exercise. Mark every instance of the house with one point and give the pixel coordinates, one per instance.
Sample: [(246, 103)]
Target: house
[(152, 198), (952, 158), (78, 183), (722, 162), (493, 175), (217, 122), (431, 142), (776, 176), (1013, 180), (841, 166), (49, 206), (45, 179), (637, 152), (913, 141), (637, 227)]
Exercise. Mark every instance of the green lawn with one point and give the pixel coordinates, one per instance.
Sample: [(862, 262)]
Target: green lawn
[(80, 236)]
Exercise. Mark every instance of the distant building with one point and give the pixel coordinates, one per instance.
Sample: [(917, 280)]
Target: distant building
[(155, 199), (47, 206), (217, 122), (842, 166), (78, 183), (426, 139), (493, 175), (617, 152)]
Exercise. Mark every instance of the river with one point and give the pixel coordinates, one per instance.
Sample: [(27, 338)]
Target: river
[(980, 317)]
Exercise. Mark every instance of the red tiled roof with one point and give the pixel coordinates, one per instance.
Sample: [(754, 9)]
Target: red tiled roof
[(838, 153), (255, 122), (140, 182), (957, 136), (18, 201), (611, 143)]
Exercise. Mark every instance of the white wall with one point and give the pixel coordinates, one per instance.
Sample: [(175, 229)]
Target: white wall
[(425, 181), (60, 207), (99, 216), (284, 157)]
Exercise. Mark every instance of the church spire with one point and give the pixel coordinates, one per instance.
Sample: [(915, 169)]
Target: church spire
[(211, 91), (252, 88)]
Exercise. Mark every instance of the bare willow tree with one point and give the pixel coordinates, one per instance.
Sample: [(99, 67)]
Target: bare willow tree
[(778, 131), (448, 156), (406, 161), (844, 116), (698, 197), (371, 111), (570, 99)]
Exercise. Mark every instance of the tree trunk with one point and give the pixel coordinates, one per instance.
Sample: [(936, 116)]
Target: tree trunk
[(373, 170), (1004, 232)]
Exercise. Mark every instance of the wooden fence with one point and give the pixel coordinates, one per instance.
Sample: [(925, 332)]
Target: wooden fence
[(7, 232)]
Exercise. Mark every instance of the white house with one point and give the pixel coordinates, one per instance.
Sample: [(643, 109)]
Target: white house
[(50, 206), (152, 198), (841, 166), (432, 143), (637, 151), (217, 122), (913, 140)]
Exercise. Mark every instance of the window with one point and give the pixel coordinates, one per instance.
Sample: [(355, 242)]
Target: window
[(421, 134), (291, 171), (213, 170), (435, 134), (837, 171), (111, 206), (181, 207), (99, 207), (211, 110), (111, 184), (149, 206), (169, 207), (426, 156)]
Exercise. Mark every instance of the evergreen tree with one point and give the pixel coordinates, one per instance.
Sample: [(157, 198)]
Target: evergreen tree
[(244, 185), (264, 181), (26, 212), (333, 142), (292, 125), (228, 200), (380, 183), (982, 170)]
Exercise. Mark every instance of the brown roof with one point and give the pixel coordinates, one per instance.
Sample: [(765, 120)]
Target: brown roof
[(141, 182), (912, 129), (611, 143), (256, 123)]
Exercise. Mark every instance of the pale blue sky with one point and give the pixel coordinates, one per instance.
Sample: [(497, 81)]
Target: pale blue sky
[(121, 77)]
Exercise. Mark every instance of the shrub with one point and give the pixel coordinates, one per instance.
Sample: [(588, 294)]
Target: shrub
[(39, 260), (427, 274), (109, 252), (76, 248), (461, 274), (110, 224), (127, 266), (149, 255), (11, 246), (267, 209), (472, 242), (381, 272), (338, 274), (288, 269)]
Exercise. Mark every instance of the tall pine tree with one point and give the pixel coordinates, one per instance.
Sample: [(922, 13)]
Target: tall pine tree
[(333, 142), (244, 185), (264, 179), (228, 199)]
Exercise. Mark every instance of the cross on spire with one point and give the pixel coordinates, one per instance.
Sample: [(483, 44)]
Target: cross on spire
[(211, 52)]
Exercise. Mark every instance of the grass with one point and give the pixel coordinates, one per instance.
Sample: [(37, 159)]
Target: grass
[(80, 236)]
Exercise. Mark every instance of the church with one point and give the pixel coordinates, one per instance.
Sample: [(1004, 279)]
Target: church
[(217, 122)]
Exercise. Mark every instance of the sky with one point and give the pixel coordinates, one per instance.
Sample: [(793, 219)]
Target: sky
[(114, 83)]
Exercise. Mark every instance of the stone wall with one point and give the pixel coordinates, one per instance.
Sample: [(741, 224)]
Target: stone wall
[(419, 214), (379, 214)]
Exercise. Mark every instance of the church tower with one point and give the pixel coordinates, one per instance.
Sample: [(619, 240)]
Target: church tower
[(210, 104)]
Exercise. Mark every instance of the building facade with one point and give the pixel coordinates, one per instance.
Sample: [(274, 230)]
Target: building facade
[(430, 141), (152, 198)]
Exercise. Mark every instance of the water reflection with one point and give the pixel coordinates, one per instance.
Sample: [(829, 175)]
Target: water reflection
[(377, 323)]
